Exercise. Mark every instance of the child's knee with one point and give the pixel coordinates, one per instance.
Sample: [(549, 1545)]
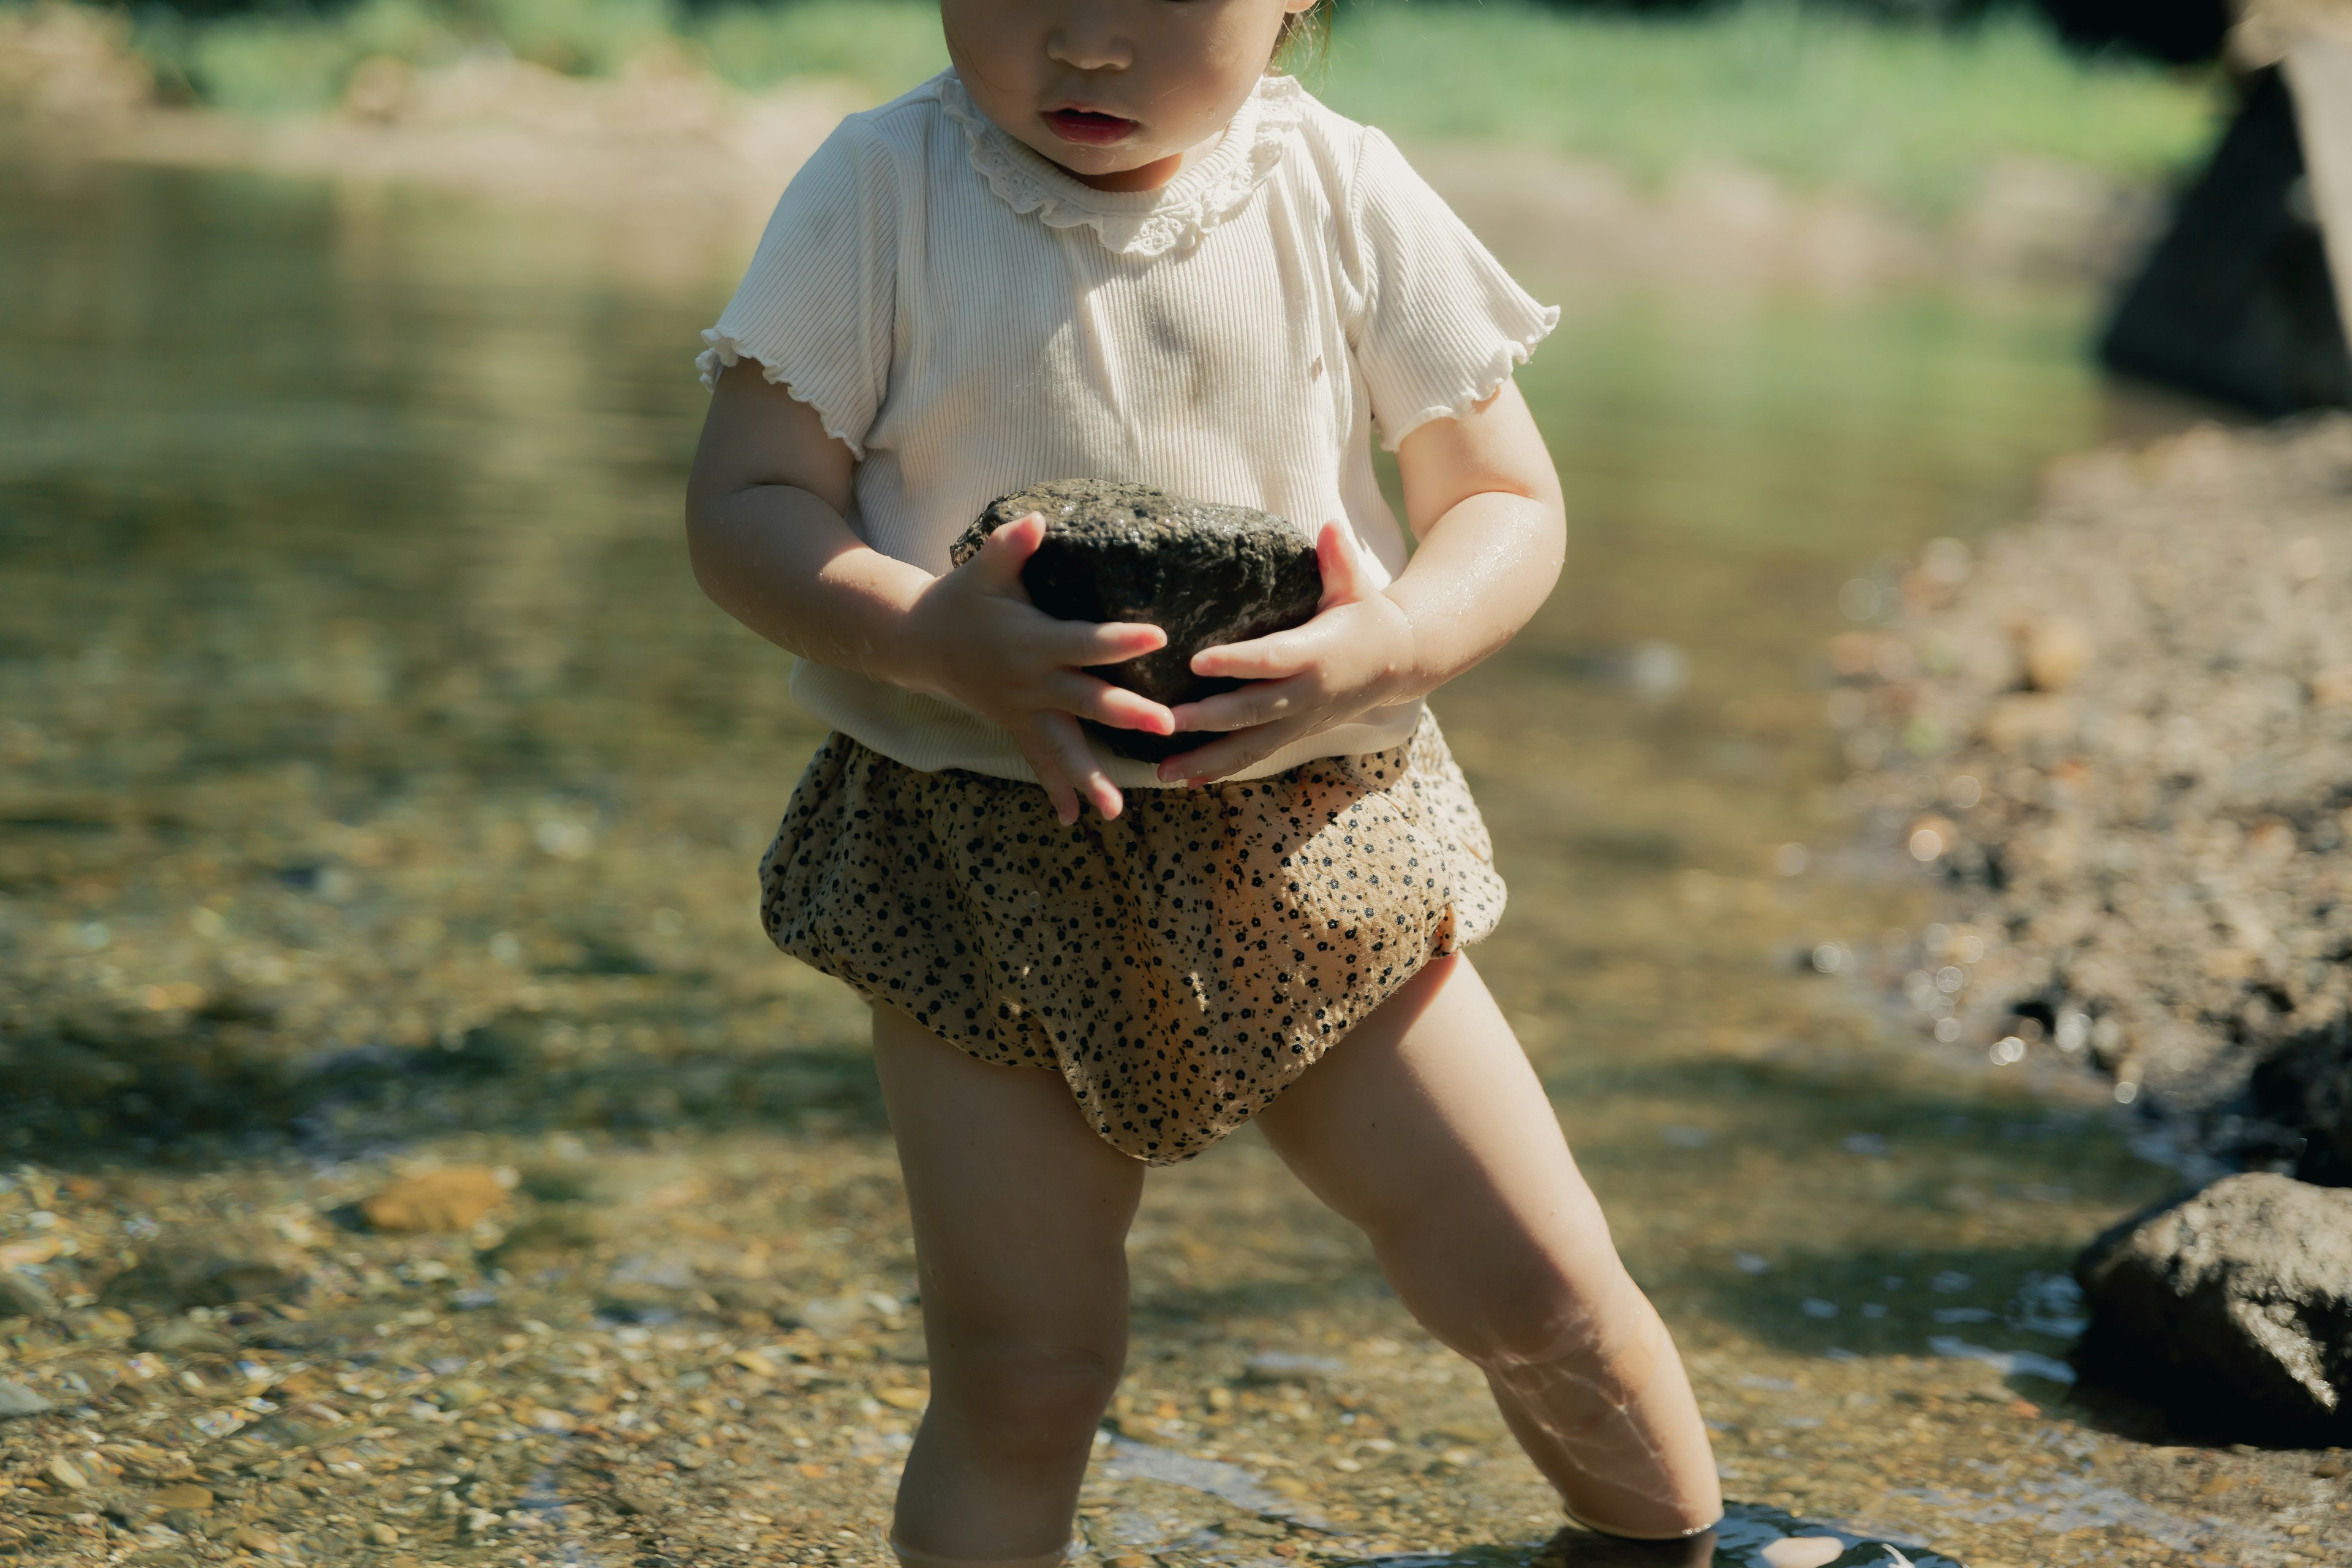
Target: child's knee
[(1033, 1400)]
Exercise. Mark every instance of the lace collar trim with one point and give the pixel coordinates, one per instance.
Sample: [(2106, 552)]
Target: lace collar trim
[(1137, 223)]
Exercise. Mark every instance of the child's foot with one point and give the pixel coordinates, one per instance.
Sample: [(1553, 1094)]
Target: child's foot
[(1748, 1536)]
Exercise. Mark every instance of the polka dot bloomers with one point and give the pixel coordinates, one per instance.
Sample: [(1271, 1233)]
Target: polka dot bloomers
[(1180, 964)]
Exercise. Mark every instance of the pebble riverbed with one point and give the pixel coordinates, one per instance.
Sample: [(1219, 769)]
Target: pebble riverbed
[(377, 797)]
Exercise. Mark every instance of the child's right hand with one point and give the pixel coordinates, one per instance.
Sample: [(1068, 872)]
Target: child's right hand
[(979, 641)]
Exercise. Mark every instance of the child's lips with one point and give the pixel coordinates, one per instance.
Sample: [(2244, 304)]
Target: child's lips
[(1089, 127)]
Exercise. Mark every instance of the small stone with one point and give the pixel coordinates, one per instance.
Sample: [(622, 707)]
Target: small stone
[(832, 1315), (755, 1363), (22, 1296), (903, 1398), (631, 1504), (1803, 1552), (2056, 651), (383, 1534), (142, 1462), (450, 1198), (460, 1393), (1203, 573), (185, 1494), (252, 1539), (178, 1336), (65, 1473), (2331, 686), (1288, 1366), (16, 1400)]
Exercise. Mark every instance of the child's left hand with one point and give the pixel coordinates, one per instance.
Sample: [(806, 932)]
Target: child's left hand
[(1356, 653)]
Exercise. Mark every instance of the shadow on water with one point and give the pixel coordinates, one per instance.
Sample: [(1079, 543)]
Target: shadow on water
[(89, 1095)]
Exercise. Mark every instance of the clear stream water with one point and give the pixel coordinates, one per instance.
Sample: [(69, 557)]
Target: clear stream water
[(378, 493)]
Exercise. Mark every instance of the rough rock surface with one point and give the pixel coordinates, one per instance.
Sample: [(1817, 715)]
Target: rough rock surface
[(1203, 573), (2238, 1299), (2120, 732)]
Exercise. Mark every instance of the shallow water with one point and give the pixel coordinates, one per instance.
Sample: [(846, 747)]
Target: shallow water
[(355, 700)]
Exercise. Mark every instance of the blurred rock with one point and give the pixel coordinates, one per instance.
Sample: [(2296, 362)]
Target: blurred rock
[(451, 1198), (2305, 1088), (22, 1296), (1287, 1367), (178, 1336), (2055, 651), (2236, 302), (177, 1278), (554, 1235), (2238, 1299), (2331, 686), (16, 1400), (460, 1393), (142, 1462)]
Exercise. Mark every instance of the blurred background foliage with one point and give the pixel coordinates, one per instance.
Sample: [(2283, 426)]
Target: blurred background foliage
[(1904, 101)]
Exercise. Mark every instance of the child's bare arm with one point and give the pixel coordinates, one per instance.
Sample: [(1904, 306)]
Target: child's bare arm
[(763, 518), (1482, 496)]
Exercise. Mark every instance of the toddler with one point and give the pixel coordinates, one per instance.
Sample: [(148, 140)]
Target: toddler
[(1111, 243)]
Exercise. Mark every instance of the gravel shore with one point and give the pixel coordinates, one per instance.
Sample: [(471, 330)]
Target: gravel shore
[(2120, 734)]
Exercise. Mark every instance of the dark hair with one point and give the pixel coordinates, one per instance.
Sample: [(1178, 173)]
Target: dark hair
[(1303, 36)]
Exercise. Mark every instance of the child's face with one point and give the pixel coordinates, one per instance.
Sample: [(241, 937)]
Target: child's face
[(1114, 90)]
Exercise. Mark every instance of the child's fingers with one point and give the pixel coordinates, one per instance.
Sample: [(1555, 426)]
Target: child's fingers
[(1099, 700), (1044, 761), (1342, 561), (1003, 552), (1268, 658), (1080, 643), (1259, 703), (1077, 763)]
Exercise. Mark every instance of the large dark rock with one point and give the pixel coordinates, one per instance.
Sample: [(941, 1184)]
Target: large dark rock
[(2302, 1092), (2233, 1304), (2235, 302), (1203, 573)]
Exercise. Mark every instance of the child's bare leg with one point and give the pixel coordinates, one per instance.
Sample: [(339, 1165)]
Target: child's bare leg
[(1427, 1128), (1021, 1216)]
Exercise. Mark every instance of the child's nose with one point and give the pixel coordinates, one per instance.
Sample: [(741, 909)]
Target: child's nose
[(1088, 37)]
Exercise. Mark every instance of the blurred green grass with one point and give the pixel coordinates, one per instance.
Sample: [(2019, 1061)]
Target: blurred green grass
[(1909, 115), (299, 61)]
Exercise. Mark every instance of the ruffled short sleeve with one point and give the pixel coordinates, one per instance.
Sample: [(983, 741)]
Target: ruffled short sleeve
[(815, 308), (1435, 324)]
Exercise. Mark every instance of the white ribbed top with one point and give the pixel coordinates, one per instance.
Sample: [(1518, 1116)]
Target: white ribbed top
[(970, 319)]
